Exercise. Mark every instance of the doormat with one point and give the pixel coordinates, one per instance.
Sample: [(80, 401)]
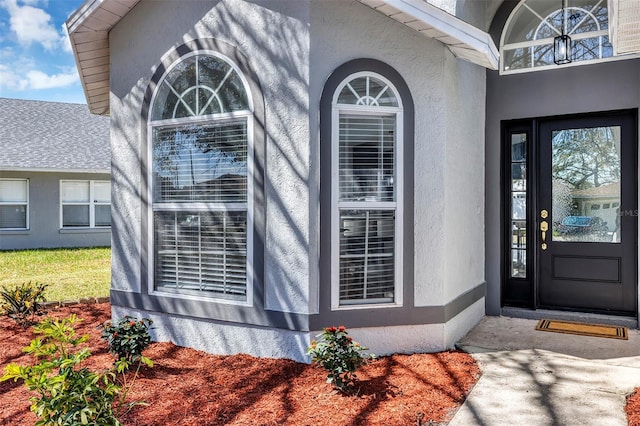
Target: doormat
[(582, 329)]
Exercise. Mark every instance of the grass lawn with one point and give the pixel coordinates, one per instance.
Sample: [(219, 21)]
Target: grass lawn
[(70, 273)]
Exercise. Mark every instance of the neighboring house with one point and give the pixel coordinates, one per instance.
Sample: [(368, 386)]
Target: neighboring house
[(280, 166), (54, 176)]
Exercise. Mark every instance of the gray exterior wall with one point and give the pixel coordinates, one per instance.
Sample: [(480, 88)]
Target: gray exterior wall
[(44, 215), (291, 49), (570, 90)]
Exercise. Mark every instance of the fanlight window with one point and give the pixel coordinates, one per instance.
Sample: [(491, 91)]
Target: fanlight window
[(200, 85), (201, 181), (527, 40), (367, 91)]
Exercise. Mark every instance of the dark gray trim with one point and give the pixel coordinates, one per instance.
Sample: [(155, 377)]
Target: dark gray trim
[(381, 317), (210, 309), (412, 315)]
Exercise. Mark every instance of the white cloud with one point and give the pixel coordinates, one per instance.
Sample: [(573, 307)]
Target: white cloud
[(34, 79), (32, 25), (40, 80), (66, 42)]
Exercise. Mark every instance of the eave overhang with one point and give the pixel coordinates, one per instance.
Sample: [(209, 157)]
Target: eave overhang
[(88, 31), (463, 39)]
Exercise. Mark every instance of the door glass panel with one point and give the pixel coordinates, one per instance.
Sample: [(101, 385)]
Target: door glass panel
[(519, 205), (586, 185)]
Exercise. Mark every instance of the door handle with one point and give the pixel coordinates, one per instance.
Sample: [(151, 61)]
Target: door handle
[(544, 227)]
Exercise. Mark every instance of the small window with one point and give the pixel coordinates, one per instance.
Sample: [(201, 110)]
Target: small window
[(595, 207), (14, 204), (367, 194), (85, 203), (606, 206)]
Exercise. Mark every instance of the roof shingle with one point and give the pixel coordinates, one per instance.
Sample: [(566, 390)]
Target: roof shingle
[(37, 135)]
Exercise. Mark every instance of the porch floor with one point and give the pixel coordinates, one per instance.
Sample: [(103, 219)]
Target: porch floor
[(541, 378)]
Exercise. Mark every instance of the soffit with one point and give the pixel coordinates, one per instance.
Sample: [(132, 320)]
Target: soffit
[(88, 31), (463, 39), (625, 26)]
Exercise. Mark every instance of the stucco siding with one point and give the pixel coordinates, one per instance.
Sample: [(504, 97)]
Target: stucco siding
[(273, 36), (464, 181), (361, 32), (44, 215)]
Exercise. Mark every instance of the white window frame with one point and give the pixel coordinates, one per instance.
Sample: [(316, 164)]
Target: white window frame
[(220, 117), (549, 41), (13, 203), (337, 205), (92, 203)]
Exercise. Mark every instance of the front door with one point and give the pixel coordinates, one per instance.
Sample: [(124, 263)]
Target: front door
[(578, 204)]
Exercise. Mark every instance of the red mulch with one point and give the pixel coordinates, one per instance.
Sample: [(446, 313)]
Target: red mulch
[(633, 408), (188, 387)]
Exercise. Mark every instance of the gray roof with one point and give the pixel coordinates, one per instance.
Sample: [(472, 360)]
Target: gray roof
[(52, 136)]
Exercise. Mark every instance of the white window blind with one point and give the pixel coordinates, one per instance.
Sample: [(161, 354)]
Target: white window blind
[(200, 251), (85, 203), (367, 207), (13, 203)]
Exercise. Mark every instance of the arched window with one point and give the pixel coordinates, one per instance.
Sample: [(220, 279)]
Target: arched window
[(527, 39), (367, 192), (201, 151)]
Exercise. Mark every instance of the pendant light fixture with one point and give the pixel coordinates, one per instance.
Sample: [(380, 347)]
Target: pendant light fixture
[(562, 44)]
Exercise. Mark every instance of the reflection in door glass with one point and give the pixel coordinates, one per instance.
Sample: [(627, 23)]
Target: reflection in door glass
[(519, 205), (586, 185)]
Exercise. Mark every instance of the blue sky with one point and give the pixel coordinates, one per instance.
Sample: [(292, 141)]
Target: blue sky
[(36, 61)]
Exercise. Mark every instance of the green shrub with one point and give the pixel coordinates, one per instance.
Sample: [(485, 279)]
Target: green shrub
[(337, 353), (23, 302), (69, 394), (128, 337)]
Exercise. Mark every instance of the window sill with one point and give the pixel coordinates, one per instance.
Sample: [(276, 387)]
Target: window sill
[(85, 230), (15, 231), (366, 306)]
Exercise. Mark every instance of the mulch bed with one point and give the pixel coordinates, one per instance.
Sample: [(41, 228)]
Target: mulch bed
[(188, 387), (633, 408)]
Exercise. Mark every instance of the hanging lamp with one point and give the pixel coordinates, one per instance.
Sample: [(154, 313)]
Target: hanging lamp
[(562, 43)]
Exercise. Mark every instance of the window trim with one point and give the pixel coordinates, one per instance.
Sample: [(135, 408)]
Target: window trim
[(26, 203), (397, 205), (151, 124), (91, 203)]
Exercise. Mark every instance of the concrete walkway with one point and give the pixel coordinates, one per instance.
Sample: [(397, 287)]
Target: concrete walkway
[(538, 378)]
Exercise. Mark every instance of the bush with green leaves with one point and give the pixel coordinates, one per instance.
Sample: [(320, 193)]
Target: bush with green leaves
[(67, 393), (23, 302), (337, 353), (128, 337)]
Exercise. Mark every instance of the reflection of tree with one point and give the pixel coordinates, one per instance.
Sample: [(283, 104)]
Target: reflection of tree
[(562, 201), (586, 158), (191, 157)]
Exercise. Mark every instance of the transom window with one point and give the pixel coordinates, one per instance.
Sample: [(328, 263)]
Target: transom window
[(527, 39), (201, 152), (14, 204), (85, 203), (367, 194)]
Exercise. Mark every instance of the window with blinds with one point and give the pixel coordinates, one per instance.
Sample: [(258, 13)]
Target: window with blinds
[(365, 197), (85, 203), (201, 181), (14, 203)]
